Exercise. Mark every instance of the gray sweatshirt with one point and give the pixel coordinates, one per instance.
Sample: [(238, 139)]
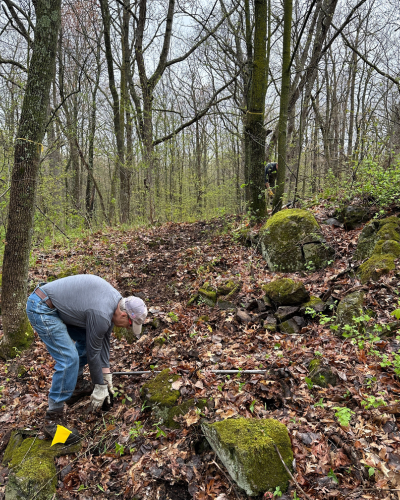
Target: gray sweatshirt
[(89, 302)]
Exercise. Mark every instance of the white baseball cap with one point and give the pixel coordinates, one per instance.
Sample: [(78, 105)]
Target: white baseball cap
[(136, 310)]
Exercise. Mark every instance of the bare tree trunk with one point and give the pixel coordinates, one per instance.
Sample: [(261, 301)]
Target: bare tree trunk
[(284, 102)]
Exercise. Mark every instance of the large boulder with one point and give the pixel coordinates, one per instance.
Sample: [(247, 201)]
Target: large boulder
[(286, 292), (246, 448), (379, 242), (31, 460), (375, 231), (291, 240)]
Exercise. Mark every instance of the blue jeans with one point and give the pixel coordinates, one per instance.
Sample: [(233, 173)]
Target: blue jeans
[(65, 343)]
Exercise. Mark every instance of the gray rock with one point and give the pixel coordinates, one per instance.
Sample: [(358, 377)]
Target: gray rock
[(270, 323), (289, 326), (352, 216), (351, 306), (333, 222), (286, 312), (242, 316)]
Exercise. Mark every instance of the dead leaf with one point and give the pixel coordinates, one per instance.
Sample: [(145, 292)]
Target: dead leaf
[(177, 384)]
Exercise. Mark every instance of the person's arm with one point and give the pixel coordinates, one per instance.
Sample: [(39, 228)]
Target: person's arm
[(97, 347)]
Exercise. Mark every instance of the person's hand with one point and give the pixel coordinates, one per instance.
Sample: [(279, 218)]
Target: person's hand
[(107, 377), (99, 394), (270, 192)]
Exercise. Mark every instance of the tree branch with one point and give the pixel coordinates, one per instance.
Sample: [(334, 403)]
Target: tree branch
[(14, 63)]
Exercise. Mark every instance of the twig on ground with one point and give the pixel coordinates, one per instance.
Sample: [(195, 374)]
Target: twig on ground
[(290, 474)]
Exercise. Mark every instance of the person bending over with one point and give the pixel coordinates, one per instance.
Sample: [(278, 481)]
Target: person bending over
[(74, 317)]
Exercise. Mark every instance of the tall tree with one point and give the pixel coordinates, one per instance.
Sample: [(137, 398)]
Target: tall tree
[(284, 103), (27, 150), (254, 128)]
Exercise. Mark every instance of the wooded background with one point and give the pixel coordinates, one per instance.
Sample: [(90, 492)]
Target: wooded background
[(152, 103)]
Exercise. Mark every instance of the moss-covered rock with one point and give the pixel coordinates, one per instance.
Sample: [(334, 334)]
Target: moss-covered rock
[(375, 267), (321, 374), (182, 409), (379, 243), (228, 289), (286, 292), (290, 326), (315, 303), (284, 239), (33, 472), (270, 323), (351, 306), (389, 232), (387, 247), (246, 448), (208, 294), (158, 393), (193, 299), (375, 231)]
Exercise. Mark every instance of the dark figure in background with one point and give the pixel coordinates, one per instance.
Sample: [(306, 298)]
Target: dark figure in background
[(270, 180)]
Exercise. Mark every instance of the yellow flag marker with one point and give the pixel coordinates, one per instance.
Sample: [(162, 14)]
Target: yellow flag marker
[(61, 435)]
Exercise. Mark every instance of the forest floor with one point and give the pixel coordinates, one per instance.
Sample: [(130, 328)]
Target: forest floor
[(166, 265)]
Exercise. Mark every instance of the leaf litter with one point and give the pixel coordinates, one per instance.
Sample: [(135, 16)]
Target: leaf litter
[(127, 454)]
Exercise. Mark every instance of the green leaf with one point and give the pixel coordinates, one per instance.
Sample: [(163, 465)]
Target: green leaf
[(332, 475)]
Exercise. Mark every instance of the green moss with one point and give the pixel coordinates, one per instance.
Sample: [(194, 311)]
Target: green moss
[(315, 303), (32, 467), (193, 299), (321, 375), (70, 271), (208, 294), (126, 333), (387, 247), (373, 232), (15, 441), (182, 409), (21, 340), (283, 237), (375, 267), (228, 289), (288, 327), (350, 307), (389, 232), (389, 220), (286, 292), (158, 392), (160, 341), (246, 448), (155, 323), (314, 364)]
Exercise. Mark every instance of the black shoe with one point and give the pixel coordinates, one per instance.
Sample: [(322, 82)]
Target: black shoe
[(83, 388), (54, 418)]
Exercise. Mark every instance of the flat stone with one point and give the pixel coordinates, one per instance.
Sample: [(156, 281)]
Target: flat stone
[(286, 312), (242, 316)]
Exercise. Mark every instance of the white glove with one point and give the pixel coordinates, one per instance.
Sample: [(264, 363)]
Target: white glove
[(99, 394), (107, 377)]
